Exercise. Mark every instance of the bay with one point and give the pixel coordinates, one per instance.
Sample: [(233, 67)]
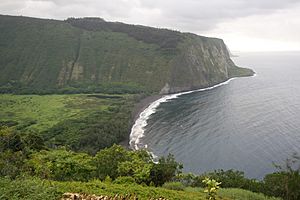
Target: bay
[(248, 124)]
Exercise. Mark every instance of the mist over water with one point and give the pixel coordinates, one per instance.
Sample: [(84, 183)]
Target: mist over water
[(246, 125)]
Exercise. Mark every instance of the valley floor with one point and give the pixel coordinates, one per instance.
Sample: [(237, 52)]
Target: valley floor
[(84, 122)]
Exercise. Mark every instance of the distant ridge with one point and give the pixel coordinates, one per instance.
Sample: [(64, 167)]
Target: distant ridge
[(92, 55)]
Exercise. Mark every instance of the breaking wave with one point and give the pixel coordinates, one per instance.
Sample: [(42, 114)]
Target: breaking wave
[(138, 129)]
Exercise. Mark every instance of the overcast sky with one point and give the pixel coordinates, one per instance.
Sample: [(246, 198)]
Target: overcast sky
[(245, 25)]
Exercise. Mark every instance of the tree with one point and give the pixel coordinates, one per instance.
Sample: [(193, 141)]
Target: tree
[(33, 142), (13, 140), (139, 166), (187, 180), (61, 165), (165, 170), (11, 163), (286, 182), (107, 161), (15, 148), (10, 140)]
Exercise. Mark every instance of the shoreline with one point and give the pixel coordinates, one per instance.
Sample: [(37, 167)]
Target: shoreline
[(147, 106), (138, 108), (142, 105)]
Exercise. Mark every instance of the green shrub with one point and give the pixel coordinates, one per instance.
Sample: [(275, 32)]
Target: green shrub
[(286, 182), (138, 166), (61, 165), (211, 189), (174, 186), (107, 161), (230, 179), (11, 163), (283, 184), (241, 194), (107, 180), (25, 189), (165, 170), (124, 180), (186, 179)]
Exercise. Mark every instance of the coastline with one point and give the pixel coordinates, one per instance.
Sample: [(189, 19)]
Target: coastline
[(142, 105), (138, 108), (147, 106)]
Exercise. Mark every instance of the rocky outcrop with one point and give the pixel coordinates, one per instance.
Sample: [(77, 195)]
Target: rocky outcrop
[(77, 196), (202, 62)]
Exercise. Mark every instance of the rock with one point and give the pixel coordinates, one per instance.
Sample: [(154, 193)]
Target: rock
[(77, 196)]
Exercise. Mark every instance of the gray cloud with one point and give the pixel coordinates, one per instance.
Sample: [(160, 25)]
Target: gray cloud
[(199, 16), (193, 15), (11, 6)]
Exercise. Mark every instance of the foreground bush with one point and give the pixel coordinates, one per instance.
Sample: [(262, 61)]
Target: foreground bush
[(27, 189), (65, 165), (36, 189), (211, 188), (285, 184), (229, 178), (174, 186), (124, 180), (61, 165), (26, 154)]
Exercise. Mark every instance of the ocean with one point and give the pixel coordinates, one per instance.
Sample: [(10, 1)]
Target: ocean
[(247, 124)]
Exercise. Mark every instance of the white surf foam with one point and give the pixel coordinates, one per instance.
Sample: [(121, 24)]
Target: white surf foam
[(138, 129)]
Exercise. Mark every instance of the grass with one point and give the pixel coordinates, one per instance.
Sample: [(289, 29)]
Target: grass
[(83, 122), (235, 194), (41, 189), (239, 194), (34, 112)]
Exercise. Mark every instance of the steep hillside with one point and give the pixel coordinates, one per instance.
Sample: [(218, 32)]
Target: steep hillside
[(92, 55)]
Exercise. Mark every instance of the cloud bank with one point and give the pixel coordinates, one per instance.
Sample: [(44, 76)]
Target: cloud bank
[(273, 20)]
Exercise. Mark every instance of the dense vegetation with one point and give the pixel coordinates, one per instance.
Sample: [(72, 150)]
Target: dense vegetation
[(48, 56), (27, 153), (164, 38), (24, 156), (82, 122), (36, 189), (25, 163), (285, 183), (89, 55)]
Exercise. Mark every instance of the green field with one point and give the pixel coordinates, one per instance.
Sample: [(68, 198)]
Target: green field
[(39, 189), (73, 120), (45, 111)]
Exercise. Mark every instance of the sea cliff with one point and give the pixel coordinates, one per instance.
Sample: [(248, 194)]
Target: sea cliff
[(92, 55)]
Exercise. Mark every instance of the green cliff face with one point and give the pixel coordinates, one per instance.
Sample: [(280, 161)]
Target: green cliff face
[(39, 54)]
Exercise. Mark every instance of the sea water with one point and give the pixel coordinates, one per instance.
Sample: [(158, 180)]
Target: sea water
[(247, 124)]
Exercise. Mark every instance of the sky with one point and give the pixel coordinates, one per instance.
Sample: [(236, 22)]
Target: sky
[(244, 25)]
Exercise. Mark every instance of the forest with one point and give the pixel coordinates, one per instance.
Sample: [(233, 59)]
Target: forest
[(25, 158)]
